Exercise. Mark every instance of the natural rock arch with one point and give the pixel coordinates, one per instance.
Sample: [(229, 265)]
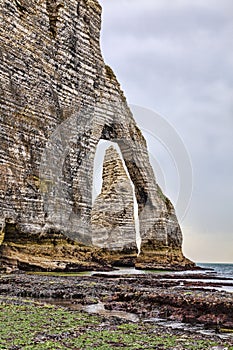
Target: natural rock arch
[(158, 223), (58, 99)]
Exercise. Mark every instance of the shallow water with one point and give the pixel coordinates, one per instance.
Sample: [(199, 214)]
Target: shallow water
[(60, 274), (121, 271), (188, 327), (98, 308), (218, 284)]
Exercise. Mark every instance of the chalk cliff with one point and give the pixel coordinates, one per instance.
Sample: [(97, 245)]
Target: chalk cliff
[(57, 100), (113, 225)]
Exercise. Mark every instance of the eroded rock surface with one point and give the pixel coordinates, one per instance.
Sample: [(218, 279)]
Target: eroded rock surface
[(113, 225), (57, 100), (149, 296)]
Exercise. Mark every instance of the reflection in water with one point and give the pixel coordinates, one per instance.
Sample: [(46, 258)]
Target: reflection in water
[(91, 309), (198, 328), (100, 310)]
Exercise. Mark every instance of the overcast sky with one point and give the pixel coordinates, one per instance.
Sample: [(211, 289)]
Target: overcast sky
[(175, 58)]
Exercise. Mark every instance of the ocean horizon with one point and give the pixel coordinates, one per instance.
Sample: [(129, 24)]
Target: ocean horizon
[(222, 269)]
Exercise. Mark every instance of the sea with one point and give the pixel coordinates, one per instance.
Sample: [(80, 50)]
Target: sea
[(221, 269)]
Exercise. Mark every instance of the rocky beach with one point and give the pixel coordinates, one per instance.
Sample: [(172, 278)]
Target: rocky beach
[(162, 310)]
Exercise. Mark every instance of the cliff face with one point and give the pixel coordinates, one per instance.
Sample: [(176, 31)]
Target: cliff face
[(113, 225), (57, 100)]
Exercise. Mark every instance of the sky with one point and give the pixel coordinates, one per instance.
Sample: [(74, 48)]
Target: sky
[(174, 61)]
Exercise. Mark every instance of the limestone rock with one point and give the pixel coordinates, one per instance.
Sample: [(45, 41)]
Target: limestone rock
[(57, 100), (50, 252), (113, 225)]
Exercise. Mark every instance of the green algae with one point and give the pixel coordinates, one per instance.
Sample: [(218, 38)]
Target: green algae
[(34, 326), (59, 274)]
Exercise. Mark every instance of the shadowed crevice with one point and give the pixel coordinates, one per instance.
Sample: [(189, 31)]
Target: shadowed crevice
[(21, 6), (53, 8)]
